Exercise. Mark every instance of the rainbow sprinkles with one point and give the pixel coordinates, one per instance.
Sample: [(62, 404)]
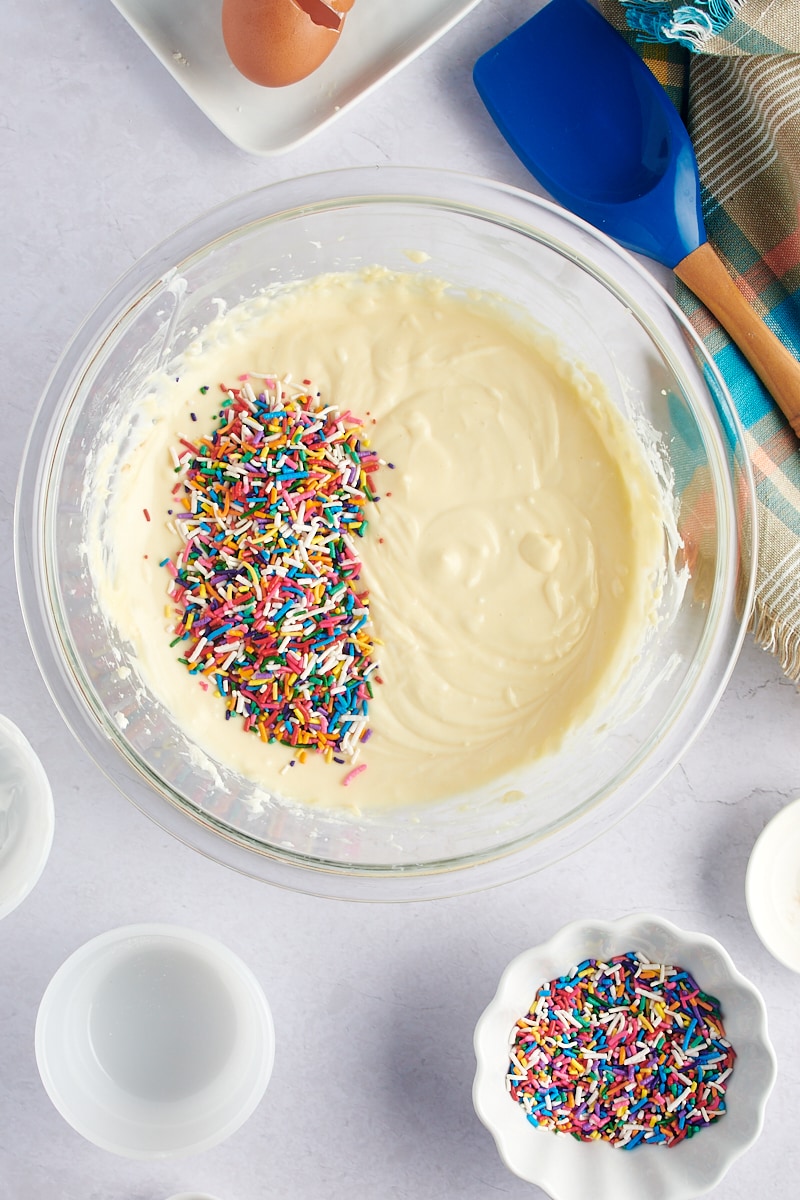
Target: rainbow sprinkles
[(269, 610), (627, 1051)]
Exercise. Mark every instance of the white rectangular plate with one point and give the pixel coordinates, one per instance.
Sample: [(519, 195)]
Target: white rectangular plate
[(379, 37)]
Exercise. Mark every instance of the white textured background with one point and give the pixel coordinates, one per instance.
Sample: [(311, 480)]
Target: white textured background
[(101, 155)]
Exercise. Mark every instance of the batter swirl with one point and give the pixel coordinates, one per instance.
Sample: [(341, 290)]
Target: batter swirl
[(513, 561)]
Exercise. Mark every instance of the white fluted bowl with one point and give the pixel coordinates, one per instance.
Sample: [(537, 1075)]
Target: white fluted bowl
[(567, 1169)]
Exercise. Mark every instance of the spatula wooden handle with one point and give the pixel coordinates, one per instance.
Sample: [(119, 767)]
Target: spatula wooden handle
[(776, 367)]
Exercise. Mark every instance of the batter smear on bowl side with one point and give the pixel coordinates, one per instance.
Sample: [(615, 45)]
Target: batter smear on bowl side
[(508, 576)]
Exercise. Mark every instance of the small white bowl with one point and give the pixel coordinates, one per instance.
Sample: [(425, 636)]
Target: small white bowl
[(772, 886), (571, 1170), (154, 1041), (193, 1196), (26, 817)]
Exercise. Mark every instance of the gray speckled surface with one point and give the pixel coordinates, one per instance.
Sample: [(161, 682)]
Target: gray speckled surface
[(102, 155)]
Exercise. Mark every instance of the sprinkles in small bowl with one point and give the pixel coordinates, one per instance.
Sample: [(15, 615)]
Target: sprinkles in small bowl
[(626, 1050)]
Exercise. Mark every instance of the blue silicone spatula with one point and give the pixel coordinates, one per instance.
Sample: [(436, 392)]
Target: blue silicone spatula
[(590, 121)]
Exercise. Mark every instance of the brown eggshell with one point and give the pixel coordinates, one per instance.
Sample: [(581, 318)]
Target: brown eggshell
[(278, 42)]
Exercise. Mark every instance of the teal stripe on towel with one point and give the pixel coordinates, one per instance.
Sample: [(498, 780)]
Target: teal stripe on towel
[(690, 25)]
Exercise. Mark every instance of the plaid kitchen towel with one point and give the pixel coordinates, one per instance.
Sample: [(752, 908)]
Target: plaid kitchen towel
[(733, 69)]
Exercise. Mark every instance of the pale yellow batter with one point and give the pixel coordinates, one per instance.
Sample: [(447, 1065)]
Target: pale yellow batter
[(513, 561)]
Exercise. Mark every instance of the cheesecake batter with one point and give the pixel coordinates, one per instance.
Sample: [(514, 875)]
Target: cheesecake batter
[(514, 560)]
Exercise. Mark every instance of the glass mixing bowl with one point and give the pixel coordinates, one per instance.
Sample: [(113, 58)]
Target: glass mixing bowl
[(608, 313)]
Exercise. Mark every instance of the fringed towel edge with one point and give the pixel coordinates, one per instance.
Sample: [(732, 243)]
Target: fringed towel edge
[(690, 25), (779, 638)]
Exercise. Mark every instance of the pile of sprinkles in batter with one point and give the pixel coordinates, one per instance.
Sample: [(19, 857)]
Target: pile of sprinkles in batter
[(269, 609), (628, 1051)]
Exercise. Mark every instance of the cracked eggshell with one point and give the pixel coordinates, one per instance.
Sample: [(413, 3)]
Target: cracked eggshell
[(278, 42)]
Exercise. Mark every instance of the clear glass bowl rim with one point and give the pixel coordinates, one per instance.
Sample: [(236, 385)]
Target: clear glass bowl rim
[(433, 188)]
